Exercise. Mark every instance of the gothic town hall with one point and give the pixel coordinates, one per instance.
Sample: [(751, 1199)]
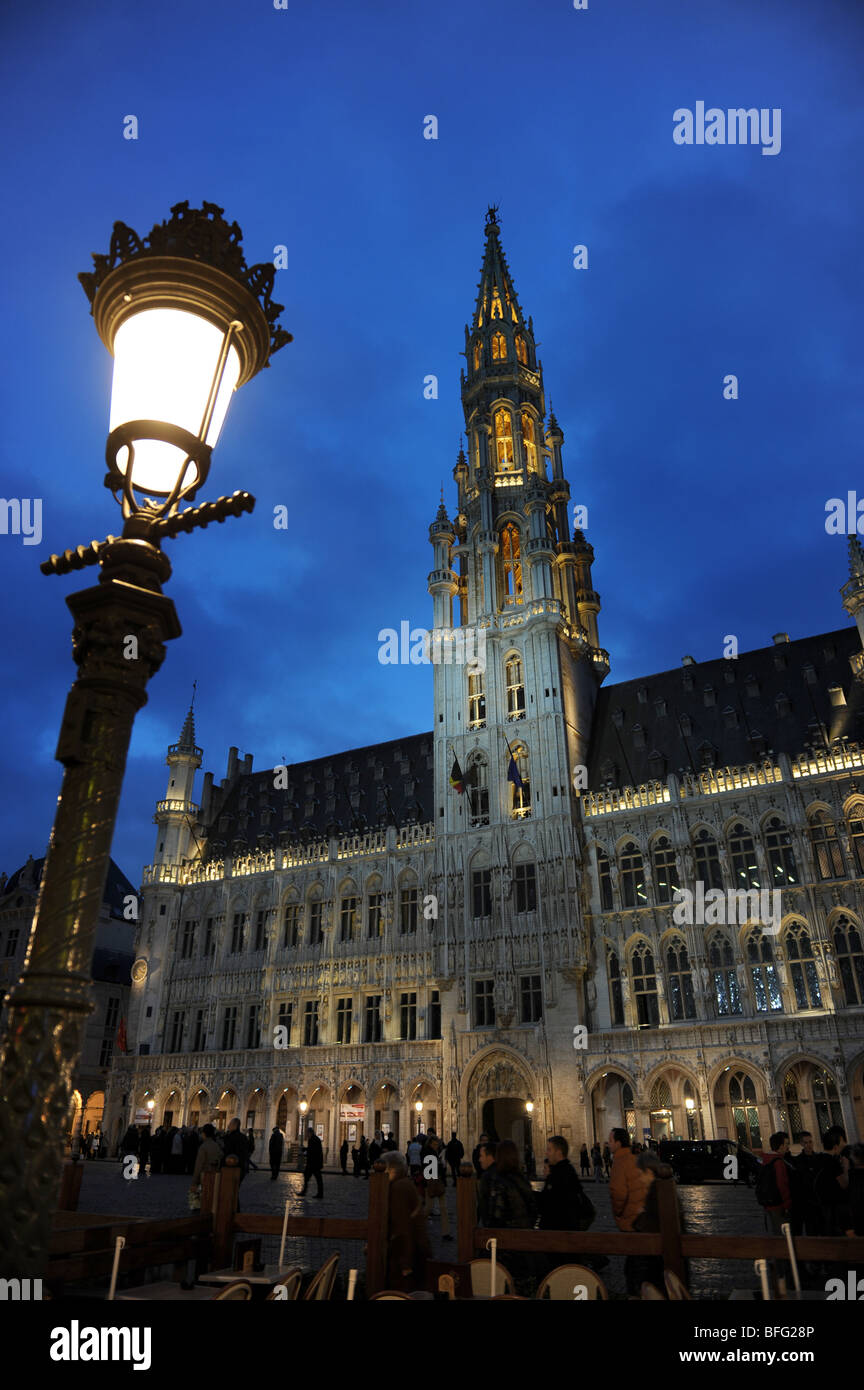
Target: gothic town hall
[(478, 927)]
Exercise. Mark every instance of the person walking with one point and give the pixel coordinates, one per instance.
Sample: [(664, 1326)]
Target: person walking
[(563, 1203), (344, 1150), (584, 1161), (649, 1268), (415, 1157), (157, 1150), (627, 1188), (175, 1150), (832, 1183), (774, 1190), (274, 1150), (454, 1152), (363, 1157), (597, 1161), (486, 1158), (314, 1162), (512, 1205), (191, 1145), (607, 1160), (407, 1236), (375, 1149)]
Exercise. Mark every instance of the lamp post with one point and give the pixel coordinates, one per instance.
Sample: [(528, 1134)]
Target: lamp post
[(187, 321), (418, 1106)]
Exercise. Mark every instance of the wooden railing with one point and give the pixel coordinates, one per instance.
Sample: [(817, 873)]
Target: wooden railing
[(671, 1242)]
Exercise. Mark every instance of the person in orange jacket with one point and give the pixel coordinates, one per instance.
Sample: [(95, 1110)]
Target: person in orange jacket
[(628, 1189)]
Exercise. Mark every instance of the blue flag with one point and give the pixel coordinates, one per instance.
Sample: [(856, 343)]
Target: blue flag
[(513, 773)]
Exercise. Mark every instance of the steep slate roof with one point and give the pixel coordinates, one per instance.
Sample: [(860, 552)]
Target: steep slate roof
[(774, 699), (339, 795), (117, 885)]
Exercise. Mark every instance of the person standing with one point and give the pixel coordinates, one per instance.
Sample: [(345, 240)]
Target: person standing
[(607, 1160), (375, 1149), (344, 1150), (649, 1268), (363, 1157), (597, 1160), (627, 1188), (143, 1148), (314, 1162), (407, 1236), (475, 1157), (455, 1152), (208, 1158), (774, 1189), (435, 1172), (512, 1206), (832, 1183), (486, 1159), (251, 1141), (274, 1150), (806, 1218), (563, 1204), (584, 1161), (236, 1145)]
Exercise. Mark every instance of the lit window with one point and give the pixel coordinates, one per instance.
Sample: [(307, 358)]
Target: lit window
[(525, 883), (850, 959), (742, 851), (763, 974), (681, 1001), (645, 986), (721, 959), (478, 355), (707, 855), (499, 347), (826, 847), (781, 855), (521, 787), (476, 701), (511, 566), (632, 877), (515, 688), (802, 968), (503, 440), (665, 870), (529, 441), (531, 999), (497, 311), (616, 998), (477, 786), (521, 350)]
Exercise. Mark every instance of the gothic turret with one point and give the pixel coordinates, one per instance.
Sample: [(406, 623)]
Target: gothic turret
[(176, 815), (853, 600)]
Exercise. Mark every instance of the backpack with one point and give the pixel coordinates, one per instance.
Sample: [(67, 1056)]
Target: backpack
[(767, 1189)]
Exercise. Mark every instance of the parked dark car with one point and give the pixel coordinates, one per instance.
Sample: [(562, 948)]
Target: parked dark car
[(704, 1160)]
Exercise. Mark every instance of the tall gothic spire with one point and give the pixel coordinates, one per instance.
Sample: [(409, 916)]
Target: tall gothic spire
[(499, 341)]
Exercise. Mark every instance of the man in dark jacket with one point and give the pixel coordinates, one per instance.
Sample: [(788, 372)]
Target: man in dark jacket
[(561, 1201), (237, 1144), (343, 1157), (314, 1162), (454, 1153), (475, 1157), (274, 1151), (486, 1158)]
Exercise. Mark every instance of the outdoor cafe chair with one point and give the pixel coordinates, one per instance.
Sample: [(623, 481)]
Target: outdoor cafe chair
[(481, 1279), (322, 1284), (291, 1284), (650, 1293), (674, 1286), (560, 1283), (390, 1296), (238, 1292)]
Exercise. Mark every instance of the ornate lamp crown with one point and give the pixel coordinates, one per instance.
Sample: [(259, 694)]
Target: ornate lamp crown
[(198, 234)]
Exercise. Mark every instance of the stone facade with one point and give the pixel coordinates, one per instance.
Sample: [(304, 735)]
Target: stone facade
[(475, 927)]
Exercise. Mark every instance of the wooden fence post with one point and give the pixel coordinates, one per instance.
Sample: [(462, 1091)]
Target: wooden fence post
[(70, 1185), (466, 1212), (670, 1226), (225, 1193), (377, 1230)]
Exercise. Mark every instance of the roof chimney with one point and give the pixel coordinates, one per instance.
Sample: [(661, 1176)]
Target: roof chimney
[(779, 638)]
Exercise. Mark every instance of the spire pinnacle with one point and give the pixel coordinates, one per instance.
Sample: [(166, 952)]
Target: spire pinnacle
[(856, 557)]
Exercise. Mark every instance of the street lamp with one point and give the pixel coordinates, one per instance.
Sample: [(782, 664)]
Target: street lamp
[(529, 1106), (187, 321), (418, 1106)]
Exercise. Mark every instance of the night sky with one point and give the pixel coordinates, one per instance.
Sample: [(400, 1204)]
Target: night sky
[(707, 516)]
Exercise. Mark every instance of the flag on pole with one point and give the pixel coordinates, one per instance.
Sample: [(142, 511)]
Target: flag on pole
[(120, 1040), (456, 778), (513, 774)]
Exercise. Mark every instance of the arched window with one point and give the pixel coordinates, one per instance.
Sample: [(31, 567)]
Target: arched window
[(511, 566), (721, 959), (850, 960), (826, 847), (518, 772), (476, 700), (478, 355), (644, 986), (707, 857), (681, 1001), (855, 822), (802, 967), (763, 973), (478, 788), (616, 998), (781, 855), (826, 1100), (742, 853), (497, 311), (632, 873), (503, 426), (665, 870), (529, 441), (499, 347), (629, 1109), (521, 350), (790, 1110), (604, 875), (745, 1114), (515, 687)]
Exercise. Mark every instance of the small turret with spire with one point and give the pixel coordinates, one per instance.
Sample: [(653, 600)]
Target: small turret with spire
[(177, 814), (852, 594)]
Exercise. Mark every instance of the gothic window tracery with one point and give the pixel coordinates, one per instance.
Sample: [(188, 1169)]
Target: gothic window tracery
[(781, 855), (511, 566), (632, 872), (478, 355), (515, 684), (826, 847), (503, 440), (529, 441), (476, 700), (850, 960), (521, 350), (497, 311), (499, 347), (522, 794), (616, 998), (644, 978), (721, 962), (802, 967), (682, 1003), (763, 973)]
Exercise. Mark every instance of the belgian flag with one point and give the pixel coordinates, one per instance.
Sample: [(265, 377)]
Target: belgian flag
[(456, 778)]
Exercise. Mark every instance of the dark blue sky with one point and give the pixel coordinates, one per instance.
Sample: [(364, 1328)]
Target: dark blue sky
[(706, 516)]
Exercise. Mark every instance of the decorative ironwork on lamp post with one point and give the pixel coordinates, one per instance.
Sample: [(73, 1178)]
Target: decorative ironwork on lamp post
[(187, 322)]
